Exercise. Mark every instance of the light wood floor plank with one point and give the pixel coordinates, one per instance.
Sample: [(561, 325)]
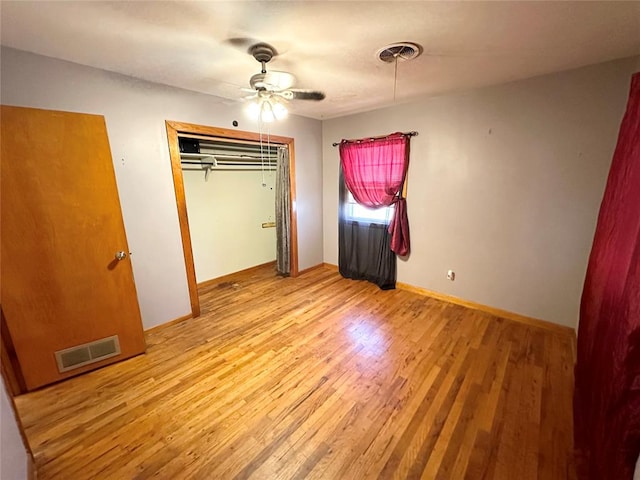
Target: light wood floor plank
[(317, 377)]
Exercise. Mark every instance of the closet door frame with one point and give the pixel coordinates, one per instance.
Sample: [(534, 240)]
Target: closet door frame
[(173, 129)]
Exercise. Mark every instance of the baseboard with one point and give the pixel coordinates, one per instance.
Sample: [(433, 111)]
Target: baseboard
[(32, 471), (206, 283), (311, 269), (498, 312), (229, 276), (168, 324)]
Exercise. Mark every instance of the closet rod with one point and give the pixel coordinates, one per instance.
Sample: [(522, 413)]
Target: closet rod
[(408, 134), (266, 157), (191, 162)]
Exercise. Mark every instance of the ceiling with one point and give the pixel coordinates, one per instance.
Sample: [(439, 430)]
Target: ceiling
[(329, 46)]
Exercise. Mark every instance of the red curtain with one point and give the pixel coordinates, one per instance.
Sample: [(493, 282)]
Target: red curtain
[(374, 172), (607, 373)]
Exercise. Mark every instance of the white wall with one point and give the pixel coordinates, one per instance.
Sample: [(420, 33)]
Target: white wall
[(135, 113), (226, 213), (504, 186), (13, 456)]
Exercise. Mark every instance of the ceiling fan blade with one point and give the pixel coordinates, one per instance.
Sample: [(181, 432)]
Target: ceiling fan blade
[(299, 94), (273, 80), (283, 80)]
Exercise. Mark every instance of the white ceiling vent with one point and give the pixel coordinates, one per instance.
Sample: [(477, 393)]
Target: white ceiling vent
[(400, 50)]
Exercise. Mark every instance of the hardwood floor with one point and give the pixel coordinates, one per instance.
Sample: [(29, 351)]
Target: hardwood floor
[(317, 377)]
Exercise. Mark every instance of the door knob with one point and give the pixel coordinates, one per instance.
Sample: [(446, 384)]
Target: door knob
[(121, 255)]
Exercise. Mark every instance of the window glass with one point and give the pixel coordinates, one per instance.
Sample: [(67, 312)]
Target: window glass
[(359, 213)]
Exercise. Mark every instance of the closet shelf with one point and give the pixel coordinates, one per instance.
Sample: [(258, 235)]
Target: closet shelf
[(196, 156)]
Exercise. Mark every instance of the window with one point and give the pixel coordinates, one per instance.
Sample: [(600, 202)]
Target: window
[(359, 213)]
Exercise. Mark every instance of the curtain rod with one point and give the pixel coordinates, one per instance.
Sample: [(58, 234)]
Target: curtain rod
[(408, 134)]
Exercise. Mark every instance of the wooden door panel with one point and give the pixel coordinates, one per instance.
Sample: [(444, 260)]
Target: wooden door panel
[(61, 227)]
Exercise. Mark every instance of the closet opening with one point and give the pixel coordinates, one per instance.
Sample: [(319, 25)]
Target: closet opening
[(201, 158)]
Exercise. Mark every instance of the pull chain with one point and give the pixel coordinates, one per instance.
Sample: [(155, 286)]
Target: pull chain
[(260, 124)]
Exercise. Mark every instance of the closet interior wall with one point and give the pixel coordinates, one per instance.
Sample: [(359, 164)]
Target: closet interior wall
[(230, 196)]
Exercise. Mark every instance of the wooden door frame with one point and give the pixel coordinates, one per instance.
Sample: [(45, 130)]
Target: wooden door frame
[(173, 128)]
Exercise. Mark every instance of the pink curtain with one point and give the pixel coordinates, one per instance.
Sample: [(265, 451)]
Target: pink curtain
[(607, 373), (374, 172)]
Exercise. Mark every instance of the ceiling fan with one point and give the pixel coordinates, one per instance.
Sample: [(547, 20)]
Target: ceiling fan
[(271, 90)]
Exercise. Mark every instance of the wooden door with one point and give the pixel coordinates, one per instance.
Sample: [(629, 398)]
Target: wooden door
[(61, 285)]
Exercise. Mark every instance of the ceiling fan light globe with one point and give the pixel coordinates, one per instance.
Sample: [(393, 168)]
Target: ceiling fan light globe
[(280, 111), (253, 109), (266, 112)]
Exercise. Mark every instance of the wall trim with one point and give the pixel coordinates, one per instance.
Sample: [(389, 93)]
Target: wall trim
[(32, 469), (310, 269), (206, 283), (228, 276), (498, 312), (168, 324)]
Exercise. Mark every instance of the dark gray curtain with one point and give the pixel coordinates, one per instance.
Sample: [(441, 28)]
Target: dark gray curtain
[(283, 213), (364, 249)]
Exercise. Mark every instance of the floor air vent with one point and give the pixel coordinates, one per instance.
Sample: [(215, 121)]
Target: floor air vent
[(80, 355)]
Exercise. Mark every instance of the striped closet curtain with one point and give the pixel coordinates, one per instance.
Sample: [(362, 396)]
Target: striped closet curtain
[(283, 212)]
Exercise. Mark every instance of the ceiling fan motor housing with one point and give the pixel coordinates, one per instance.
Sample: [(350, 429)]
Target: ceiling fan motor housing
[(262, 52), (274, 82)]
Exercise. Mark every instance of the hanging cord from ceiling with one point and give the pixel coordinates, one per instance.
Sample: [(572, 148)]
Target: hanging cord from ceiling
[(397, 55), (395, 77), (394, 53)]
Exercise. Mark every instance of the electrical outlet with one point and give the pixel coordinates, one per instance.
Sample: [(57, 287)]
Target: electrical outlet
[(451, 275)]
